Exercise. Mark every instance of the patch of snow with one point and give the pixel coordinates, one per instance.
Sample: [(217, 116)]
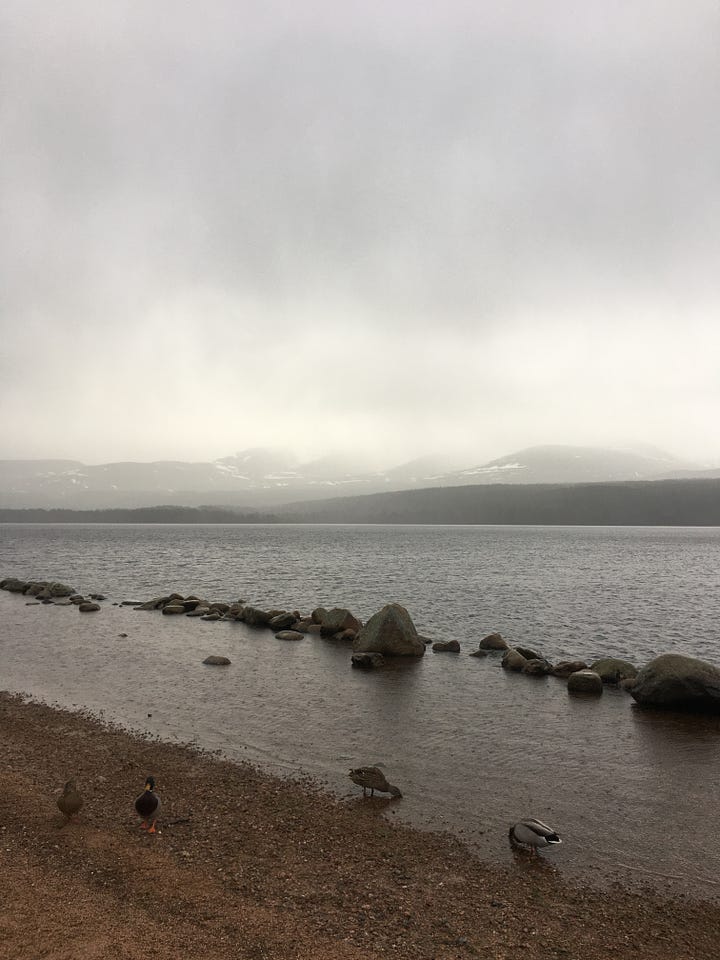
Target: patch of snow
[(485, 471)]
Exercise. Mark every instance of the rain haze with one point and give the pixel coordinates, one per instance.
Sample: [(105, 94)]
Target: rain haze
[(381, 230)]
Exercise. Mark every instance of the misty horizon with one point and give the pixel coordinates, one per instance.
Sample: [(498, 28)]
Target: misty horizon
[(370, 231)]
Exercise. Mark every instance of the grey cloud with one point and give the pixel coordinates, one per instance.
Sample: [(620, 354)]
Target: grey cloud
[(227, 182)]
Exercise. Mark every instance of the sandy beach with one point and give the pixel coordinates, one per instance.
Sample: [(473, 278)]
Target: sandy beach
[(246, 865)]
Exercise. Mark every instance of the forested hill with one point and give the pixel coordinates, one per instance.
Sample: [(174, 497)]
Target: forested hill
[(630, 503), (161, 514)]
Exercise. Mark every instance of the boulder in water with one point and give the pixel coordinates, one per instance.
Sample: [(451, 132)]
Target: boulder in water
[(338, 620), (391, 632), (675, 682), (446, 646), (585, 681), (613, 670), (493, 641), (283, 621), (255, 617), (513, 660)]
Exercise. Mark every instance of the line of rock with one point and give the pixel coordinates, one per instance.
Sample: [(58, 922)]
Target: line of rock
[(670, 681)]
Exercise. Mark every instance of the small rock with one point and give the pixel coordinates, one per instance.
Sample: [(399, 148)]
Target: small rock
[(493, 641), (513, 660), (214, 661), (446, 646), (585, 681)]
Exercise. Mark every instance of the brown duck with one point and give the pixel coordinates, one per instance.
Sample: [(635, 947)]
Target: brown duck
[(147, 806), (372, 779), (69, 802)]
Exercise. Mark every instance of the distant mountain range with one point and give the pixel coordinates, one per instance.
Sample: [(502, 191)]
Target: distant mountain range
[(261, 479)]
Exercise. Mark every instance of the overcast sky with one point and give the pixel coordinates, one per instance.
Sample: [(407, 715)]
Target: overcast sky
[(380, 228)]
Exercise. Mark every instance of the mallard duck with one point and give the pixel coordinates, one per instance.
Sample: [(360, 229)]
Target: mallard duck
[(147, 805), (69, 802), (533, 834), (372, 779)]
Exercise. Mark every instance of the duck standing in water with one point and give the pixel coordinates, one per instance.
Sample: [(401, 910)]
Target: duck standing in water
[(69, 802), (147, 805), (533, 834), (372, 779)]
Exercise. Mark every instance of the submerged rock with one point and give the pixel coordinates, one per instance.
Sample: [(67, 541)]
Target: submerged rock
[(367, 660), (613, 670), (674, 682), (214, 661), (88, 607), (289, 635)]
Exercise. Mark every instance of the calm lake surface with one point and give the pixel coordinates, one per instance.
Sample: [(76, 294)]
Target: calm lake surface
[(634, 794)]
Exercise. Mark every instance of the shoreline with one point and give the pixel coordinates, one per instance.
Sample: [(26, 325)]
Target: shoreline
[(250, 865)]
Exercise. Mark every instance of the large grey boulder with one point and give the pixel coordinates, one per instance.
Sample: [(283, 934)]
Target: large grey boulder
[(674, 682), (391, 632), (613, 670)]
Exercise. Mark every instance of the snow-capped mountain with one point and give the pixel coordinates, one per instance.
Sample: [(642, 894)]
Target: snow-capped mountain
[(262, 478)]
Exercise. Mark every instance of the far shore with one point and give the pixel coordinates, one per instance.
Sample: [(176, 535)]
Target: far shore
[(246, 865)]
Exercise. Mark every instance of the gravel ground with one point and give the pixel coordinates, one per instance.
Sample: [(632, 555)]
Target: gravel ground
[(249, 866)]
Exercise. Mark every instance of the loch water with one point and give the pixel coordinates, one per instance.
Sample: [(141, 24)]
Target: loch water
[(634, 793)]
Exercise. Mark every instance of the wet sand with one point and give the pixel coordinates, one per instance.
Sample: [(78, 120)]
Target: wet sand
[(246, 865)]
